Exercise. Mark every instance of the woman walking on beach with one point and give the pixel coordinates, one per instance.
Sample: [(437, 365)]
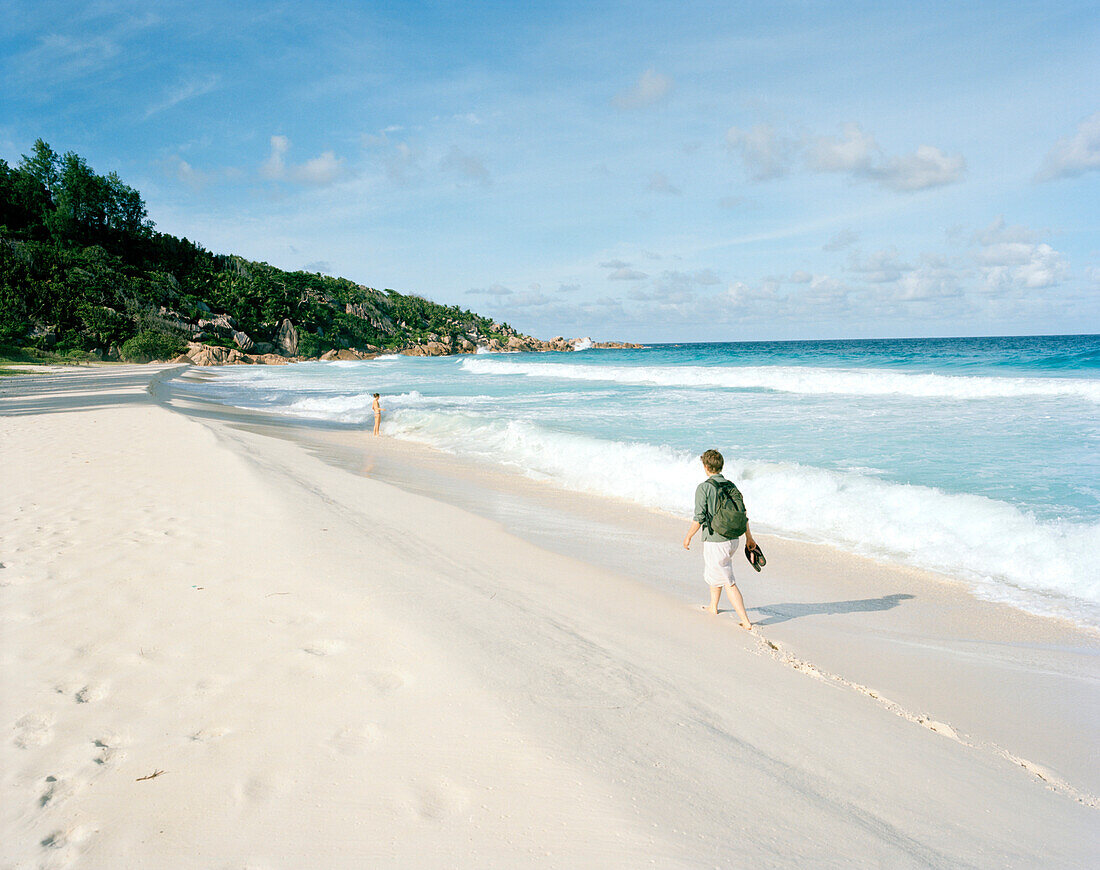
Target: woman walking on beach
[(377, 414)]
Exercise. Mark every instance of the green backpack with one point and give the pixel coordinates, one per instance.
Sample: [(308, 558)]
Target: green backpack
[(729, 519)]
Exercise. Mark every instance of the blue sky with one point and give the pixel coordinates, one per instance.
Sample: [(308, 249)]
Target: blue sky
[(649, 171)]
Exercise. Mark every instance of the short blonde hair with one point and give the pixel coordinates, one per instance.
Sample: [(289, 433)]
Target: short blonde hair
[(712, 461)]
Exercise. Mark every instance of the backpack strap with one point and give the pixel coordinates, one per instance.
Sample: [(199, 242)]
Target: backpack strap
[(717, 493)]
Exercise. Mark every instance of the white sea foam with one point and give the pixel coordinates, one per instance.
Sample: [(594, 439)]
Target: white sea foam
[(801, 379), (347, 408), (1005, 553)]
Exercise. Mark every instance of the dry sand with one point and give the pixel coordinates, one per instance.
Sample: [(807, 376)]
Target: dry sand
[(222, 650)]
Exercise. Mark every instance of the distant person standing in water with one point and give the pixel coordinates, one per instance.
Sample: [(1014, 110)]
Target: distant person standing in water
[(377, 414), (718, 548)]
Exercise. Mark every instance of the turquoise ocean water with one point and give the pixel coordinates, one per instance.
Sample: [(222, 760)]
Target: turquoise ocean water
[(975, 457)]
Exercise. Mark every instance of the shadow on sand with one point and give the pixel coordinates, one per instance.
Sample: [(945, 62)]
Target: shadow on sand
[(777, 613)]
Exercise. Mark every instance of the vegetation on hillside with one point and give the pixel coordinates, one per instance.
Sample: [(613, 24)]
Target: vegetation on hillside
[(82, 269)]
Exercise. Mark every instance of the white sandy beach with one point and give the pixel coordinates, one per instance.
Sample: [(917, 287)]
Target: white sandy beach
[(221, 649)]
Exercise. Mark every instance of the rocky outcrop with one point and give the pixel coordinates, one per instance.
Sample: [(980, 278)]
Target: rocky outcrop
[(211, 355), (286, 339), (347, 354), (171, 321), (220, 324), (372, 315), (242, 340)]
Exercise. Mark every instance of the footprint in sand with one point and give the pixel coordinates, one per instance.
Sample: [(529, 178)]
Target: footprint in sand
[(354, 740), (56, 791), (384, 682), (34, 729), (324, 647), (64, 847), (259, 789), (91, 693), (109, 750), (209, 687), (437, 802), (13, 577)]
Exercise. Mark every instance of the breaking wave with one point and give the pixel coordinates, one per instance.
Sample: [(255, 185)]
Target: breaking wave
[(1005, 553), (801, 379)]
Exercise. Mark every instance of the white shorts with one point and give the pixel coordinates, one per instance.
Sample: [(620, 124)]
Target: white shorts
[(718, 562)]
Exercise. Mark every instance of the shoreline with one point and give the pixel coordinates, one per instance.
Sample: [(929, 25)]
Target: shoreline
[(1029, 602), (330, 668), (927, 619)]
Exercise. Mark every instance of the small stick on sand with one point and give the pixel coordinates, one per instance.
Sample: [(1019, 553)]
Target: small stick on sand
[(152, 775)]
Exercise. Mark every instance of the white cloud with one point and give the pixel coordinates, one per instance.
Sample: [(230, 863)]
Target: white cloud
[(843, 239), (319, 171), (59, 59), (770, 154), (401, 160), (183, 171), (649, 89), (493, 290), (466, 166), (527, 299), (1005, 254), (801, 277), (854, 151), (1011, 257), (614, 264), (676, 286), (998, 232), (765, 153), (275, 165), (402, 163), (659, 183), (927, 167), (1025, 266), (625, 274), (184, 91), (1074, 155), (197, 179), (826, 283), (664, 296), (748, 298), (928, 282), (881, 267)]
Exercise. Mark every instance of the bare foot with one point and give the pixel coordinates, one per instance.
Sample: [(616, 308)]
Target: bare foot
[(746, 625), (711, 610)]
